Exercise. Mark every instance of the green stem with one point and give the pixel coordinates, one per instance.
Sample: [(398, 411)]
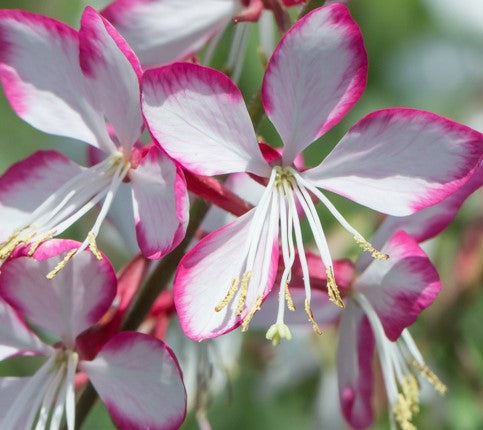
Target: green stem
[(255, 109), (84, 405), (310, 6)]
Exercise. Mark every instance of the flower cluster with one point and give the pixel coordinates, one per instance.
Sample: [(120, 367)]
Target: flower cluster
[(155, 127)]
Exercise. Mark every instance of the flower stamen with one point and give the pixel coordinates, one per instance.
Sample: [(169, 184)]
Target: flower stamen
[(93, 246), (366, 246), (61, 264), (229, 295), (333, 291), (243, 292), (288, 298), (253, 310), (308, 311)]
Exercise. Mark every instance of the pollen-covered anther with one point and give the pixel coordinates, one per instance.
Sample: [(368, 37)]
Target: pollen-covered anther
[(431, 377), (229, 295), (309, 313), (410, 389), (243, 292), (366, 246), (39, 241), (332, 289), (288, 298), (15, 239), (93, 245), (255, 308), (277, 332), (402, 413), (61, 264)]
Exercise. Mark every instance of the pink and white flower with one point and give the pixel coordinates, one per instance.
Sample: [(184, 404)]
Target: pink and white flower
[(68, 83), (396, 161), (136, 375)]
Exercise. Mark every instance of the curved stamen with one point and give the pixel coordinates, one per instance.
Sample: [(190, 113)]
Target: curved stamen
[(361, 241)]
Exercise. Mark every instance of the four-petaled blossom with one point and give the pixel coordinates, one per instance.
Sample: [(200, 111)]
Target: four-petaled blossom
[(136, 375), (69, 83), (396, 161)]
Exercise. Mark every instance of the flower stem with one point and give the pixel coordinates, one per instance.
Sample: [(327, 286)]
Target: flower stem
[(310, 6)]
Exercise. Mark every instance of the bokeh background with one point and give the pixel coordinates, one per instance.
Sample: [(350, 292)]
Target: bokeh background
[(426, 54)]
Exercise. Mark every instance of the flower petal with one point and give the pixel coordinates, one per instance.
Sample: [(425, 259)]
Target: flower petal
[(68, 304), (401, 287), (164, 31), (427, 223), (399, 161), (42, 78), (198, 116), (160, 203), (206, 273), (28, 183), (16, 337), (355, 349), (113, 70), (139, 380), (316, 74)]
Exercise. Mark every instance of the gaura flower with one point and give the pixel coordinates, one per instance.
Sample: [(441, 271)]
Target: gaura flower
[(136, 375), (382, 302), (396, 161), (68, 83)]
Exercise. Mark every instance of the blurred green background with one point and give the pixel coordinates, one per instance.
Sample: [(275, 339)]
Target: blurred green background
[(426, 54)]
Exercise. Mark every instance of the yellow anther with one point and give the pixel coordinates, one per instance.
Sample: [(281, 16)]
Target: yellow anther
[(288, 298), (93, 245), (366, 246), (410, 389), (309, 313), (61, 264), (431, 377), (229, 295), (333, 290), (243, 292), (15, 239), (277, 332), (248, 318), (39, 241), (402, 413)]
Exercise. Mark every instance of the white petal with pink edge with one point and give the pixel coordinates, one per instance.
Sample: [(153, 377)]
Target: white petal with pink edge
[(207, 273), (160, 202), (199, 118), (75, 299), (42, 78), (28, 183), (164, 31), (399, 161), (112, 70), (355, 349), (15, 337), (316, 74), (139, 380), (399, 288)]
